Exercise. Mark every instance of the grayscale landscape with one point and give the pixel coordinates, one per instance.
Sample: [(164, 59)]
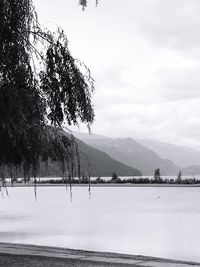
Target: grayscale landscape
[(99, 133)]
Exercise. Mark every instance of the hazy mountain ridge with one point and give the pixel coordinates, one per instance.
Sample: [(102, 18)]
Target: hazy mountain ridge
[(93, 162), (101, 164), (180, 155), (136, 154)]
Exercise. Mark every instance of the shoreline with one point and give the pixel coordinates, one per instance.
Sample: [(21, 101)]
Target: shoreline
[(100, 185), (55, 256)]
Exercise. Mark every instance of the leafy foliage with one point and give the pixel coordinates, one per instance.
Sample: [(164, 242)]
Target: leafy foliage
[(84, 3), (40, 85)]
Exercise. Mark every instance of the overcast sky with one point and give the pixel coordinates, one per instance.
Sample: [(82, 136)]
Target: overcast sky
[(145, 58)]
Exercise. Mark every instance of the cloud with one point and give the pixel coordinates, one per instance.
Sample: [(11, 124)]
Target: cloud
[(176, 122), (173, 23), (165, 107), (145, 58), (179, 84)]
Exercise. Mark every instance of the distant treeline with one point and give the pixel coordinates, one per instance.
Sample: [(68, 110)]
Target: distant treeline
[(85, 180)]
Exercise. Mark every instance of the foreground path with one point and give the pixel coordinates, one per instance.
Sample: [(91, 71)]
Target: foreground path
[(18, 255)]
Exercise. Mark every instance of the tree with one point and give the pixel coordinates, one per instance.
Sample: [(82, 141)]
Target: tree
[(114, 176), (41, 87), (157, 175), (179, 178)]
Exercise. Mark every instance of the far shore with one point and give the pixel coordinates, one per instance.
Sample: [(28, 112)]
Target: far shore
[(100, 185)]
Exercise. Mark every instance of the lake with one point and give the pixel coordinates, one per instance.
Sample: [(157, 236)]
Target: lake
[(155, 221)]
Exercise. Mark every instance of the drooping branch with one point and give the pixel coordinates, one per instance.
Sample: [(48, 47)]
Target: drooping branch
[(84, 3), (31, 100)]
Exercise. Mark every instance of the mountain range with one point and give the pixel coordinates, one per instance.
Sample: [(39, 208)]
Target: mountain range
[(98, 163), (93, 162), (146, 155), (180, 155)]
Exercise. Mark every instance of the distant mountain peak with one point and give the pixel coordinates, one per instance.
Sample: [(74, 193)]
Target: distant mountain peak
[(180, 155)]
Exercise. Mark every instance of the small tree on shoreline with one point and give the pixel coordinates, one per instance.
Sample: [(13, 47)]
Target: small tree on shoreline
[(157, 175), (114, 176), (179, 177)]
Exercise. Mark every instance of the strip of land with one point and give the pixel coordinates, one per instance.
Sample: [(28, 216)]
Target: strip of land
[(101, 185), (16, 255)]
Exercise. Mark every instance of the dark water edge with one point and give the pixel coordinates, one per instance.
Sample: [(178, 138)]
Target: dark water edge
[(101, 185), (12, 254)]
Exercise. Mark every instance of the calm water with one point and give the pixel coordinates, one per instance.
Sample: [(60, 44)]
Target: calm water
[(161, 222)]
